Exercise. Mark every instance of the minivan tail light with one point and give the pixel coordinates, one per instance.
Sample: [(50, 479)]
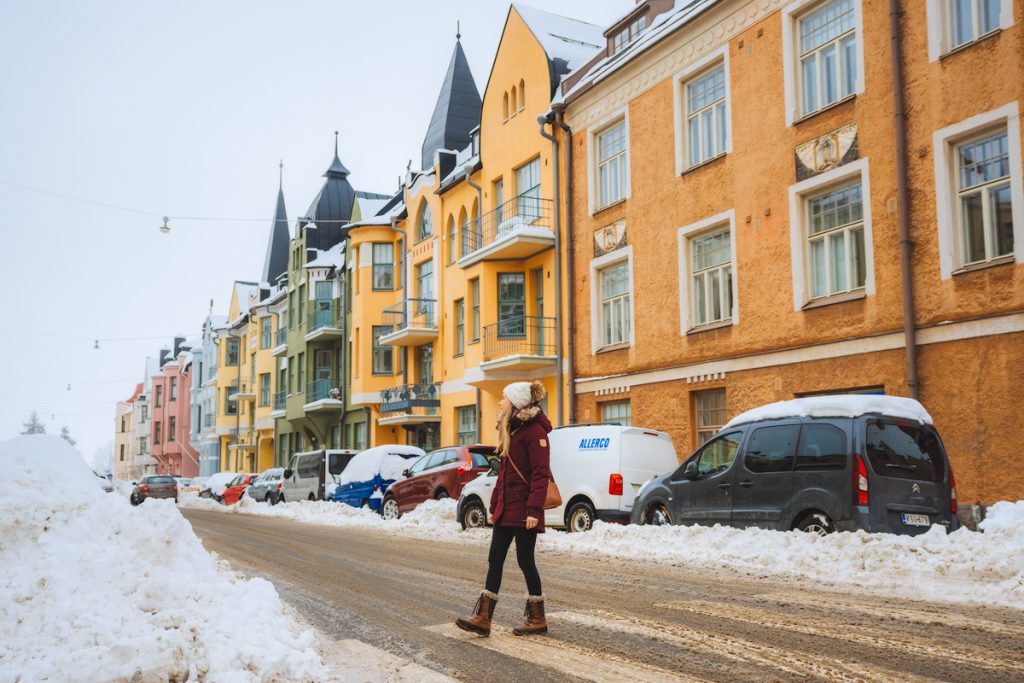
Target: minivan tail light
[(615, 485), (860, 482), (952, 492)]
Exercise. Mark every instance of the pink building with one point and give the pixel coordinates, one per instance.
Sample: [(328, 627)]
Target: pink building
[(171, 414)]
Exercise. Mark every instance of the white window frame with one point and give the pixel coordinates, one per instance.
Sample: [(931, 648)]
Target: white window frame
[(944, 142), (596, 266), (593, 133), (790, 56), (685, 234), (617, 404), (680, 81), (940, 27), (798, 195)]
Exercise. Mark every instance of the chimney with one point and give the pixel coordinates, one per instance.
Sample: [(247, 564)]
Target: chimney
[(178, 342), (163, 356)]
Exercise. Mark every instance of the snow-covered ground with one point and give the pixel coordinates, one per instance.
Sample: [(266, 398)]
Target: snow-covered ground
[(95, 590), (965, 566)]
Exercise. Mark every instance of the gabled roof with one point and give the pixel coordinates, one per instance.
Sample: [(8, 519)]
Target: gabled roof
[(276, 261), (457, 111), (568, 43)]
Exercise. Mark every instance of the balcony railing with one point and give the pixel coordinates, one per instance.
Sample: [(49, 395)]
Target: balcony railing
[(525, 213), (405, 397), (411, 313), (324, 315), (281, 337), (321, 389), (280, 398), (522, 335)]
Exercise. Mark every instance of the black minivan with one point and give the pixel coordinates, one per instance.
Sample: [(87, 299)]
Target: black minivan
[(873, 469)]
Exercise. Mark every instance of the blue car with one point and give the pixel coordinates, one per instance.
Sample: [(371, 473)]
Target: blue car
[(363, 482)]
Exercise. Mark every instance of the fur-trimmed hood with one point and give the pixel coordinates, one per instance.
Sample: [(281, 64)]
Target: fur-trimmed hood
[(530, 413)]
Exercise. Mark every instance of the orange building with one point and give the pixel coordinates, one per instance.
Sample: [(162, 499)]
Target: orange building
[(743, 233)]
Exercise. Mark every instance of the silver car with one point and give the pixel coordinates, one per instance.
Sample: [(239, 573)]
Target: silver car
[(267, 486)]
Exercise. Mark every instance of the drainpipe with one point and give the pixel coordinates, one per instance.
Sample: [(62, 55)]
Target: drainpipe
[(479, 212), (559, 111), (903, 197), (541, 121), (343, 389)]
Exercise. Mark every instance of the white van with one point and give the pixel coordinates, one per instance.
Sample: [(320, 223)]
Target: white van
[(308, 473), (599, 469)]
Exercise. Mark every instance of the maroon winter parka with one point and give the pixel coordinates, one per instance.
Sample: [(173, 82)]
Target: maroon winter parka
[(513, 501)]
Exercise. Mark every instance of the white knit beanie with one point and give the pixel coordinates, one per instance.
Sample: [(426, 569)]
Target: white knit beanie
[(519, 394)]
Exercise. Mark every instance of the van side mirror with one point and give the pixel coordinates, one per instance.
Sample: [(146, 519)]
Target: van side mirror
[(690, 471), (288, 473)]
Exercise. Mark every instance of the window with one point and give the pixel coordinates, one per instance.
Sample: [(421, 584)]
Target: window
[(616, 305), (528, 190), (617, 412), (401, 264), (710, 413), (460, 326), (360, 438), (499, 200), (504, 107), (772, 449), (452, 236), (231, 352), (145, 413), (827, 55), (522, 94), (718, 455), (301, 360), (706, 116), (324, 294), (291, 309), (424, 227), (291, 375), (265, 332), (157, 432), (383, 267), (174, 389), (265, 389), (230, 406), (123, 425), (466, 425), (822, 447), (512, 101), (172, 424), (474, 294), (612, 164), (122, 450), (626, 35), (511, 304), (159, 396), (425, 280), (302, 304), (710, 277), (835, 235), (905, 450), (984, 198), (971, 19), (383, 356), (142, 445)]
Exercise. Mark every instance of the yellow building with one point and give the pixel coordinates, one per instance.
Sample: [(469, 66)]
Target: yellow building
[(236, 390), (472, 302)]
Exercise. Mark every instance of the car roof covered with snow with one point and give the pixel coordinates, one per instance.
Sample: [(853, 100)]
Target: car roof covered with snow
[(840, 405)]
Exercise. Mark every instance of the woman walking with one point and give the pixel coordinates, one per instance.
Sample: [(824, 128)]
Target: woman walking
[(517, 504)]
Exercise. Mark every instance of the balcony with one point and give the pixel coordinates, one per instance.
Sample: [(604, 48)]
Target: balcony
[(322, 395), (280, 401), (243, 392), (410, 404), (280, 342), (413, 322), (521, 343), (324, 322), (518, 229)]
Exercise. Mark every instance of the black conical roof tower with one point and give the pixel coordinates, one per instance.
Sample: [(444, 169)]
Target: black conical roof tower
[(457, 111), (332, 207), (276, 262)]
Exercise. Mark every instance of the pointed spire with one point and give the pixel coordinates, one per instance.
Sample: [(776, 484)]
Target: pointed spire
[(457, 111), (458, 31), (280, 179), (336, 168), (276, 261)]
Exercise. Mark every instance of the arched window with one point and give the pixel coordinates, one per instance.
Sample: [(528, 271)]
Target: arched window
[(462, 230), (522, 94), (425, 227), (514, 100), (504, 106), (452, 234)]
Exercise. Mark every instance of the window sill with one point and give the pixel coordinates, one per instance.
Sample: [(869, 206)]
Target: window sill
[(808, 117), (605, 207), (1001, 261), (702, 164), (707, 327), (970, 43), (473, 341), (835, 299), (458, 355), (383, 289), (614, 347)]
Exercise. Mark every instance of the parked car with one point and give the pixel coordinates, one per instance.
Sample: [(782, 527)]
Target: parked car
[(195, 485), (816, 464), (307, 473), (234, 490), (438, 474), (267, 486), (371, 472), (183, 483), (216, 484), (599, 468), (105, 483), (154, 486)]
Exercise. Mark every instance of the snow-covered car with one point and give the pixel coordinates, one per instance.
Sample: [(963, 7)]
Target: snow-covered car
[(105, 483), (183, 482), (216, 484), (599, 468), (236, 488), (267, 487), (371, 472), (309, 474), (817, 464), (195, 485)]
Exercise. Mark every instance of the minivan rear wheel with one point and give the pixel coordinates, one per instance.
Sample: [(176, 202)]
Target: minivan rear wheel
[(658, 515), (580, 517), (389, 508), (816, 523)]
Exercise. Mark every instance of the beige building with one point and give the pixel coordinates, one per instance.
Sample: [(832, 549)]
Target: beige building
[(125, 468)]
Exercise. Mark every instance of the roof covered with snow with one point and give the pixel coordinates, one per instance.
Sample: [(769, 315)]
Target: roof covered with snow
[(331, 258), (569, 43), (840, 405)]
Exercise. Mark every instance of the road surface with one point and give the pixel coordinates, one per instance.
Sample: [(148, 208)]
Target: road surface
[(609, 621)]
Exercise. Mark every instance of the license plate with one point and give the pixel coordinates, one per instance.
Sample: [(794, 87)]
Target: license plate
[(915, 520)]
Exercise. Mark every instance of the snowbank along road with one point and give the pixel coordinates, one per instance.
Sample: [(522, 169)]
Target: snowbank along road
[(610, 620)]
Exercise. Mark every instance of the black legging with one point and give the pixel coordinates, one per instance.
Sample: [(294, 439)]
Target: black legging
[(526, 543)]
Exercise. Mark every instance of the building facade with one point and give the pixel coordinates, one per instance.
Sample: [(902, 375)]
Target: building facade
[(743, 232), (170, 430), (203, 396), (124, 439)]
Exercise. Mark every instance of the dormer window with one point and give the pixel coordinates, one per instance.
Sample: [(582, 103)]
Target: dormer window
[(621, 39)]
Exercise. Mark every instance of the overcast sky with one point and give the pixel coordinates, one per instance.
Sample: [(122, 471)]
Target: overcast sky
[(184, 109)]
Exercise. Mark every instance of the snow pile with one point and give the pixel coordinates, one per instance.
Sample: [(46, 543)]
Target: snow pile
[(841, 405), (218, 482), (388, 461), (93, 589)]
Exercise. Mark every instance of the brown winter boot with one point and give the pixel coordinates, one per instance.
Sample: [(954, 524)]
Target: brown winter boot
[(480, 622), (535, 621)]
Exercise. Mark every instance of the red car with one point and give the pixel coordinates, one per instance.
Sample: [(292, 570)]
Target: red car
[(438, 474), (236, 488)]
